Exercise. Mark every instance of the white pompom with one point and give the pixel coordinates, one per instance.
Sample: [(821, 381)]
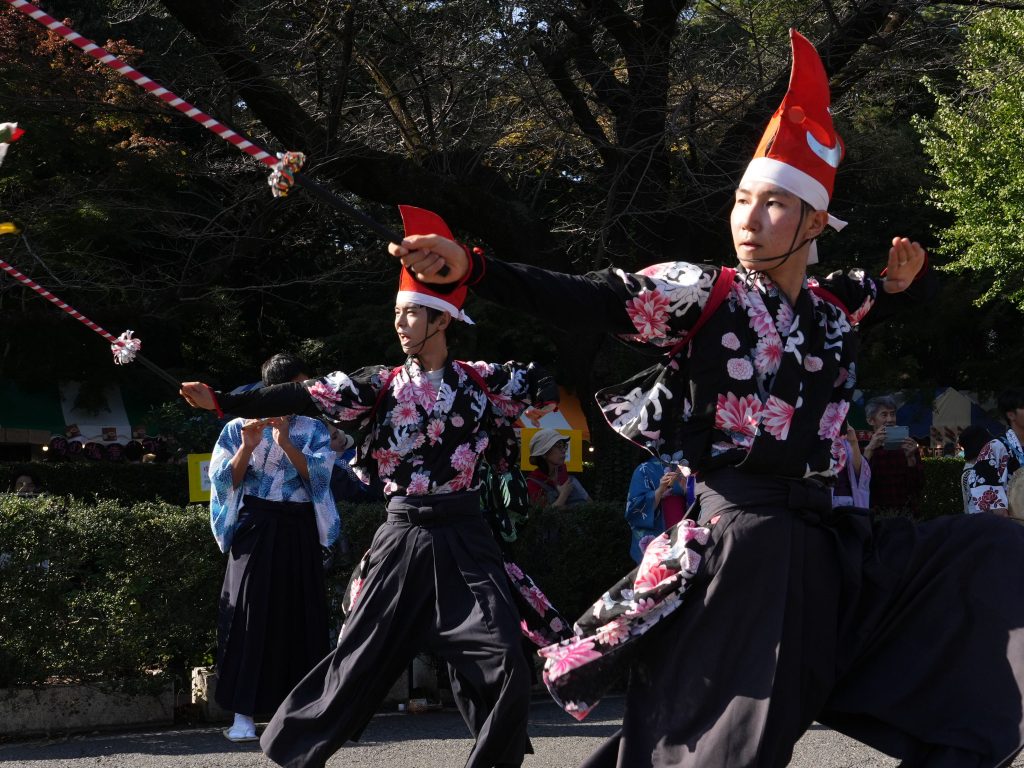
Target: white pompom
[(125, 348)]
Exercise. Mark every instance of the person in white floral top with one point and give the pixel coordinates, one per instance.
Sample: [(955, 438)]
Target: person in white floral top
[(434, 576), (985, 482), (771, 609)]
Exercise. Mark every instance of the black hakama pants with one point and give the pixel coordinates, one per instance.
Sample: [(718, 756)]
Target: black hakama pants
[(908, 637), (435, 582), (272, 627)]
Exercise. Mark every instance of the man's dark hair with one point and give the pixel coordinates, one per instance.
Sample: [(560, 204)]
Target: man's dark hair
[(134, 451), (1011, 400), (282, 368), (433, 315), (972, 440)]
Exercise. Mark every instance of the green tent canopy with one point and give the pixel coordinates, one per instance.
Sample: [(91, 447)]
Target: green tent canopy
[(36, 409)]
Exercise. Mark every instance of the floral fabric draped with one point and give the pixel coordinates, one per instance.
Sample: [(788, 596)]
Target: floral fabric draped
[(646, 520), (578, 670)]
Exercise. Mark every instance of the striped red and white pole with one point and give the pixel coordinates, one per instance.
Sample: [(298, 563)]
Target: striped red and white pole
[(210, 123), (28, 282), (105, 57), (125, 348)]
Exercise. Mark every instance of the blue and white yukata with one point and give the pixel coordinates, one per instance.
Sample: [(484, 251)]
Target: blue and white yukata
[(272, 627)]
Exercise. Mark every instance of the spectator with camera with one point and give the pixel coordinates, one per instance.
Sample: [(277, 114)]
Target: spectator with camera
[(897, 472), (853, 482), (659, 495)]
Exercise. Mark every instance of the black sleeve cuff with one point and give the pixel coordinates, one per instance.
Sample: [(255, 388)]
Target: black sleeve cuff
[(477, 267), (278, 400), (543, 387)]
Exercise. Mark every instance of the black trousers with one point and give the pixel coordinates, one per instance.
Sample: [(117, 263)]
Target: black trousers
[(909, 638), (435, 582), (272, 626)]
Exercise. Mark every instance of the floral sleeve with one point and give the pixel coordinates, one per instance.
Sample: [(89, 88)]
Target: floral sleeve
[(514, 387), (655, 306), (507, 391), (857, 292), (664, 301), (864, 297), (986, 483), (348, 400)]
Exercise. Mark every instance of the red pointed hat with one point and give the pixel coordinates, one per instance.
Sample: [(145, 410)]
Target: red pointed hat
[(800, 149), (419, 221)]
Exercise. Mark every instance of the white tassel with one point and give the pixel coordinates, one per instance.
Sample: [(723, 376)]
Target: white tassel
[(125, 348), (8, 132)]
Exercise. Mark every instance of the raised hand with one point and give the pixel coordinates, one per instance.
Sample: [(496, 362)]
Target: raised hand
[(905, 260), (281, 427), (668, 480), (198, 395), (911, 450), (252, 433), (536, 414), (427, 255)]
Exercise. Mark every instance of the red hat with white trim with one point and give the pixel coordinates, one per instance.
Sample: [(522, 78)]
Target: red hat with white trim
[(419, 221), (800, 149)]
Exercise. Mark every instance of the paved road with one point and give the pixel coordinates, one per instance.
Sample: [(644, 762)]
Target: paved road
[(433, 740)]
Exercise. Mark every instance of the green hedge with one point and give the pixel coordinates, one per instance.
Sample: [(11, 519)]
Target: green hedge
[(103, 591), (103, 480), (606, 480), (109, 590), (942, 488), (575, 554)]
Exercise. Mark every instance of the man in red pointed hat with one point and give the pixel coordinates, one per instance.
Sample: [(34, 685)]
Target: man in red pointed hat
[(434, 578), (766, 609)]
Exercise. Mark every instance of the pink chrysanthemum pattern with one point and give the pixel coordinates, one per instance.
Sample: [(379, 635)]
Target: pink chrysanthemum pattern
[(777, 417), (649, 313)]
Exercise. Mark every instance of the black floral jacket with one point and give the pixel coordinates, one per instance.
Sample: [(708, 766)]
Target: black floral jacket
[(420, 439)]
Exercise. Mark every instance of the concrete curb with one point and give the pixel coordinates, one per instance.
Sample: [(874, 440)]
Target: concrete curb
[(58, 709)]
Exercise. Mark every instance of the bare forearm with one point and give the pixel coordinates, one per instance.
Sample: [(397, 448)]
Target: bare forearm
[(659, 494), (855, 457), (297, 458), (239, 465)]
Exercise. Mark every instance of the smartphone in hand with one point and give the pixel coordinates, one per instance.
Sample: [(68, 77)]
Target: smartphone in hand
[(894, 437)]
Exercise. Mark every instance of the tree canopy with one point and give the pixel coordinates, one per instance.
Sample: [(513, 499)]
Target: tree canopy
[(569, 135), (976, 143)]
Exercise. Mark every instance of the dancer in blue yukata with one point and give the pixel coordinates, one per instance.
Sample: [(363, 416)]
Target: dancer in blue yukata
[(271, 510)]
